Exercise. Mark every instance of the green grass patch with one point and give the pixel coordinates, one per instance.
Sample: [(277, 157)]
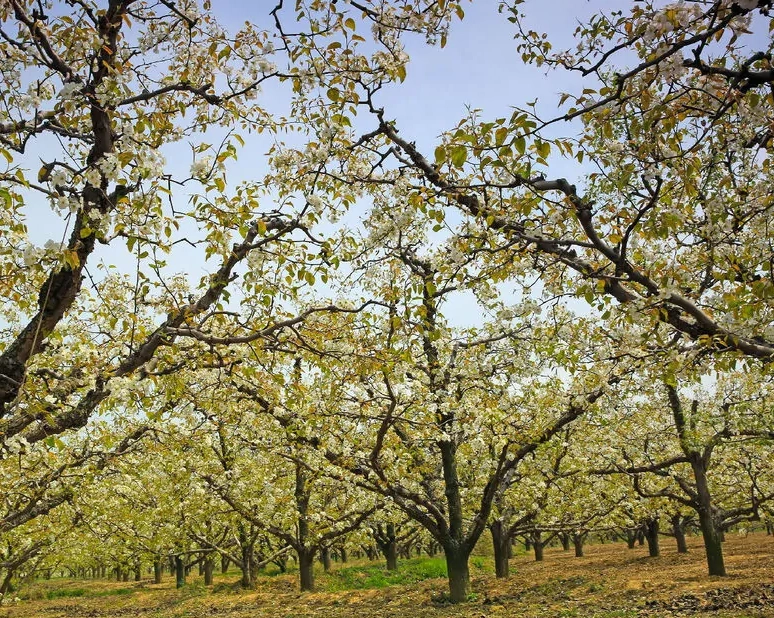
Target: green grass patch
[(65, 593), (377, 576)]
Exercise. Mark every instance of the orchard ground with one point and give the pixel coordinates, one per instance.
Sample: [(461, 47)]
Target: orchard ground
[(610, 581)]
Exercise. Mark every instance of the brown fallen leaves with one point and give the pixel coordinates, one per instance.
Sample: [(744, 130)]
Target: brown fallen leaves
[(609, 582)]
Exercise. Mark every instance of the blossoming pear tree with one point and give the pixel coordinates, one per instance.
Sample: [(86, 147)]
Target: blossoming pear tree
[(691, 444)]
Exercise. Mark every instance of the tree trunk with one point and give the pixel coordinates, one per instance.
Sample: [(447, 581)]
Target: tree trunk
[(305, 554), (565, 539), (651, 536), (209, 566), (157, 571), (224, 562), (179, 572), (248, 577), (391, 555), (577, 541), (537, 545), (713, 545), (458, 571), (631, 539), (325, 558), (640, 537), (343, 554), (710, 530), (501, 545), (386, 540), (137, 571), (306, 569), (678, 529), (455, 546)]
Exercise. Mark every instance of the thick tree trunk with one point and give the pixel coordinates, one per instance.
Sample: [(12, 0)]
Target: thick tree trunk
[(458, 571), (537, 545), (501, 545), (391, 555), (710, 531), (713, 545), (678, 529), (248, 577), (343, 554), (224, 562), (306, 570), (456, 546), (640, 537), (577, 541), (651, 536), (157, 571), (325, 558), (179, 572), (209, 567), (565, 539), (388, 543), (137, 571)]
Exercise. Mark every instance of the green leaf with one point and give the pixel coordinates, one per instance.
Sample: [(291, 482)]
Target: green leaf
[(6, 196), (459, 155), (440, 155)]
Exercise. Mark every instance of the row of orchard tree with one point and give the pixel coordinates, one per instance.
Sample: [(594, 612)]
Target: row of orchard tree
[(385, 330), (302, 459)]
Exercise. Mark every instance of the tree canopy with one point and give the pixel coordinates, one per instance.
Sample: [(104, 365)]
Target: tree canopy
[(308, 317)]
